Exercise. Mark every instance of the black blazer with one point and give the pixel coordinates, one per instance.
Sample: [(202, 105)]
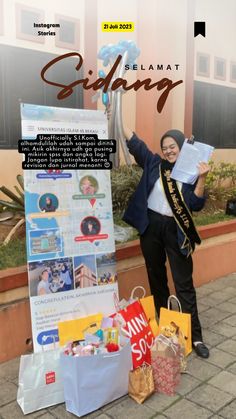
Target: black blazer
[(137, 212)]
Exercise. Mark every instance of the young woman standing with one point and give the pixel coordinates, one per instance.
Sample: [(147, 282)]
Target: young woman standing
[(160, 209)]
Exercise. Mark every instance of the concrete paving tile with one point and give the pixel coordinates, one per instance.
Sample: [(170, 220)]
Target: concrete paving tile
[(218, 296), (184, 409), (109, 405), (220, 358), (158, 402), (213, 285), (227, 291), (2, 380), (207, 395), (203, 291), (15, 381), (229, 412), (229, 346), (232, 368), (224, 329), (227, 306), (10, 369), (227, 281), (201, 369), (225, 381), (214, 313), (206, 321), (191, 356), (216, 417), (101, 416), (187, 384), (202, 307), (131, 410), (232, 300), (231, 320), (212, 316), (209, 301), (8, 393), (212, 338), (13, 411)]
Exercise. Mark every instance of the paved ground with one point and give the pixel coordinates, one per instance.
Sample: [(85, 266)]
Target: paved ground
[(208, 390)]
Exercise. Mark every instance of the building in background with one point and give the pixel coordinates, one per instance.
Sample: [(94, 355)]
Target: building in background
[(84, 277)]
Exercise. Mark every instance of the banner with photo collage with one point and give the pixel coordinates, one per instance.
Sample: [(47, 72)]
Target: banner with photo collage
[(69, 229)]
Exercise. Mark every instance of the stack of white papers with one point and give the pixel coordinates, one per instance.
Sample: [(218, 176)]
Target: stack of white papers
[(186, 167)]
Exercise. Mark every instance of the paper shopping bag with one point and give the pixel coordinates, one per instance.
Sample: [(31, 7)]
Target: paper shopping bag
[(40, 383), (141, 383), (146, 302), (74, 329), (137, 329), (90, 382), (149, 309), (179, 319), (166, 364)]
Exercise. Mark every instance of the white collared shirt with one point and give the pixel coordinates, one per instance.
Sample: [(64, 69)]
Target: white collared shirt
[(157, 200)]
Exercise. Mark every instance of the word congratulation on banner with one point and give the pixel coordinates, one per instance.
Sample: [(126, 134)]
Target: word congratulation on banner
[(66, 152)]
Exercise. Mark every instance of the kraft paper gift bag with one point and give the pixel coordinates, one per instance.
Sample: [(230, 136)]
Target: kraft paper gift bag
[(166, 364), (90, 382), (40, 383), (74, 329), (141, 383), (179, 319)]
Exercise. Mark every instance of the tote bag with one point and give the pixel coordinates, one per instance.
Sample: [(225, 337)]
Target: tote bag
[(90, 382), (147, 304), (40, 383), (137, 329), (182, 320)]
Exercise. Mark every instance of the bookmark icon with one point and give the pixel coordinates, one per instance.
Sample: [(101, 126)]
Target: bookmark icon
[(199, 29)]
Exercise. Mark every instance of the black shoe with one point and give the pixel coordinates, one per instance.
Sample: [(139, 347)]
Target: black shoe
[(201, 350)]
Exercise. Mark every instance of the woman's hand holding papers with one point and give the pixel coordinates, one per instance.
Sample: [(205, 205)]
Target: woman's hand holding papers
[(203, 169)]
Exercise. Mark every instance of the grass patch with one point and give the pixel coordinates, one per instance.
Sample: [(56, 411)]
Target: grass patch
[(13, 254), (204, 219), (200, 219)]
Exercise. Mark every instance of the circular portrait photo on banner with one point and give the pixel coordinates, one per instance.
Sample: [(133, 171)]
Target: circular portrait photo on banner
[(48, 202), (53, 171), (88, 185), (90, 226)]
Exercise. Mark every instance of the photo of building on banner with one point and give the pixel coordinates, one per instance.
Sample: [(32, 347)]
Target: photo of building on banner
[(69, 229)]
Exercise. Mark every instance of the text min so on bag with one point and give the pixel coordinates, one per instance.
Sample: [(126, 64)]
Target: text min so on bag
[(40, 383), (137, 329)]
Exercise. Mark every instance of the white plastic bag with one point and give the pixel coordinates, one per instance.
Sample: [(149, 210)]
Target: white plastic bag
[(40, 383), (90, 382)]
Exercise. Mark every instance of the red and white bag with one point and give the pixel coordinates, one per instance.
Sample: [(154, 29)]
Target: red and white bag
[(134, 325)]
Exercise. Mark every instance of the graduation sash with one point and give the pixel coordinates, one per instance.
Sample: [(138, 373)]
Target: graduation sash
[(180, 210)]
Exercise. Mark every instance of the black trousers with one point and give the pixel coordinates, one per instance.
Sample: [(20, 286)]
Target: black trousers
[(159, 240)]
